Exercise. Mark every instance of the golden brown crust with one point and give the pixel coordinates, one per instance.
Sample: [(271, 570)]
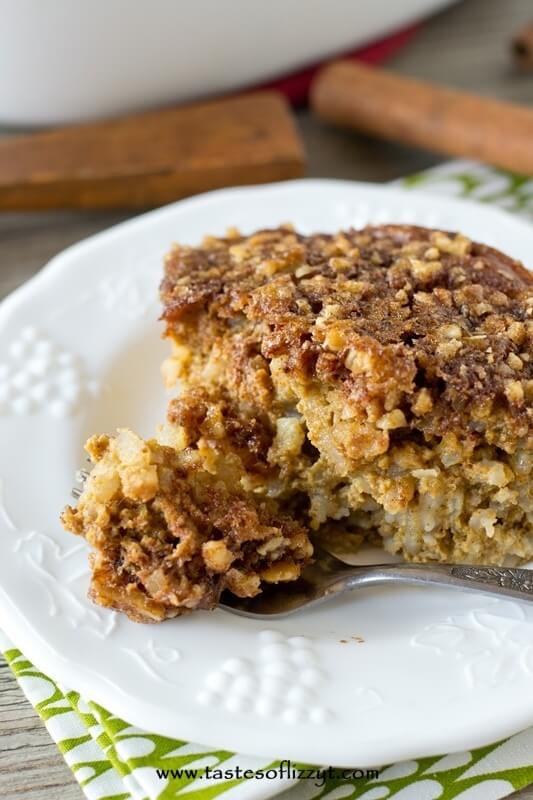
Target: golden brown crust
[(431, 309)]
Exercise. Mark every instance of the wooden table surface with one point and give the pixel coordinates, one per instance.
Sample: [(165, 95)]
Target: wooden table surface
[(466, 46)]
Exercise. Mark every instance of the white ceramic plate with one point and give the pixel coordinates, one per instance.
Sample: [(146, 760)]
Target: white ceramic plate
[(384, 675)]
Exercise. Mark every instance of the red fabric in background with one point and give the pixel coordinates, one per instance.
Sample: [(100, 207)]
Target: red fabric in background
[(296, 86)]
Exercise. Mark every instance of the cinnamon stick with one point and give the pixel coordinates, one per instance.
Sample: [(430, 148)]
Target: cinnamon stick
[(152, 158), (523, 47), (425, 115)]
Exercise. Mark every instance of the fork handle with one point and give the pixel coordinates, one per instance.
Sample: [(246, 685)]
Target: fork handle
[(503, 581)]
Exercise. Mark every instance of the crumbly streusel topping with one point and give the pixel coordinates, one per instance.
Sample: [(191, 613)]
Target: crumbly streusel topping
[(426, 324)]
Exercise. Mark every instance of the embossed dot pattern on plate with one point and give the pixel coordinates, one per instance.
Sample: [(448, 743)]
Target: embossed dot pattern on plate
[(40, 377), (282, 680)]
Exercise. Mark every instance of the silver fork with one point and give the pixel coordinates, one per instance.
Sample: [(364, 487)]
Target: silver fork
[(328, 577), (80, 477)]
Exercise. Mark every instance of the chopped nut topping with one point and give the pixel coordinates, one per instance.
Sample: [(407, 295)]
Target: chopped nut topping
[(424, 270), (449, 349), (453, 331), (458, 245), (514, 392), (514, 361), (516, 332)]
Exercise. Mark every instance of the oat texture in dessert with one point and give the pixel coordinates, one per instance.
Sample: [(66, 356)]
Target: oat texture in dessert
[(169, 536), (379, 381)]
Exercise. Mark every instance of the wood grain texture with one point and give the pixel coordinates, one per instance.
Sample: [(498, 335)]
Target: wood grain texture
[(30, 764), (152, 158), (467, 46)]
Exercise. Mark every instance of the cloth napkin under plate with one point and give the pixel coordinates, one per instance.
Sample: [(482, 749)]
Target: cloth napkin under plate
[(112, 760)]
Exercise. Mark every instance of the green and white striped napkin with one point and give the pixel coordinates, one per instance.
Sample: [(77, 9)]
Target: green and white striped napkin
[(112, 760)]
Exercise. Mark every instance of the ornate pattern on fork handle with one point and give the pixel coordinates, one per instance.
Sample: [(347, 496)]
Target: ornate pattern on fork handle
[(517, 580)]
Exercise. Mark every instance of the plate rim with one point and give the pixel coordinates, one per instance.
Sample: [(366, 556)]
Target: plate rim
[(20, 628)]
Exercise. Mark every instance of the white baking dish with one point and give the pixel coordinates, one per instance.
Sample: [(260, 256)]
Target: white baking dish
[(68, 60)]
